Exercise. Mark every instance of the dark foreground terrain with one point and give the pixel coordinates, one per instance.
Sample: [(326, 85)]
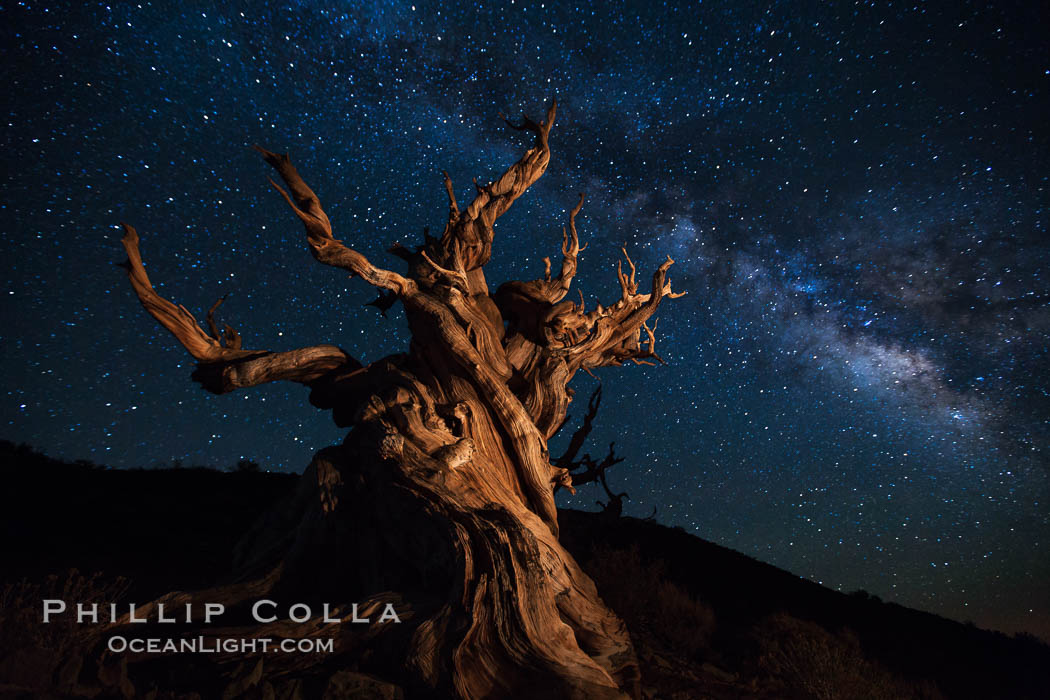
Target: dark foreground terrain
[(707, 622)]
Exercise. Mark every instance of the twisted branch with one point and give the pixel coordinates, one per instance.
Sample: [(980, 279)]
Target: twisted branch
[(324, 247), (222, 369), (469, 233)]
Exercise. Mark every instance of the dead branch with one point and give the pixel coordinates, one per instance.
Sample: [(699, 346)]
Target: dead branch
[(383, 302), (614, 333), (223, 369), (585, 469), (579, 437), (323, 245), (471, 229)]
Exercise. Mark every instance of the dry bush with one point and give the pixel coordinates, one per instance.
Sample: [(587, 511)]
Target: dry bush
[(38, 655), (818, 664), (683, 621), (648, 602)]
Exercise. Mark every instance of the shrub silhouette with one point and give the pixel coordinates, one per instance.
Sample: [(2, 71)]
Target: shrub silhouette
[(815, 663), (39, 657), (650, 604), (247, 466)]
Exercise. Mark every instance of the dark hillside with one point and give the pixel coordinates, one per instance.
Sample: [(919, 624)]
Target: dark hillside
[(963, 661), (163, 529), (707, 621)]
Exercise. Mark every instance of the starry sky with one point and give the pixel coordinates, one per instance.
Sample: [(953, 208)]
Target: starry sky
[(856, 195)]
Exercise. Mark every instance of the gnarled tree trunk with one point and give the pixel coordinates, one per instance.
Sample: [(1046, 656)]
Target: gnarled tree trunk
[(441, 498)]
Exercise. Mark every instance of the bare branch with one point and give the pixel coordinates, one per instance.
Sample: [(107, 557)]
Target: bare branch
[(383, 302), (541, 129), (472, 227), (579, 437), (650, 349), (324, 247), (614, 507), (223, 369), (584, 470), (610, 336), (179, 321), (570, 248), (211, 317), (305, 366), (455, 278), (229, 337), (496, 199), (453, 208), (522, 300)]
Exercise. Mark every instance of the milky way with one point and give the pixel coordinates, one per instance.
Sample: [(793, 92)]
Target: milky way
[(855, 195)]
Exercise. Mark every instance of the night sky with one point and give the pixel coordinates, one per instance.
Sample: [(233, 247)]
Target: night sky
[(856, 195)]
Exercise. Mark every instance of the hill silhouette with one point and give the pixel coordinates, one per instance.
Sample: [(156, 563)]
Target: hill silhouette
[(707, 622)]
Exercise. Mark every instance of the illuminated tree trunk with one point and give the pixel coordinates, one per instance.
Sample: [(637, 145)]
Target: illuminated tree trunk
[(442, 495)]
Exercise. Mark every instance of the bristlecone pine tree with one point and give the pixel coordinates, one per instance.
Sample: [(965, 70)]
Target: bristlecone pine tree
[(441, 499)]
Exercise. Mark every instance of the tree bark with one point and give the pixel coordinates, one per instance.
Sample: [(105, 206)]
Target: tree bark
[(442, 495)]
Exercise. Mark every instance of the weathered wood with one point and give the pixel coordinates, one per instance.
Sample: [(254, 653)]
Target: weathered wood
[(445, 476)]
